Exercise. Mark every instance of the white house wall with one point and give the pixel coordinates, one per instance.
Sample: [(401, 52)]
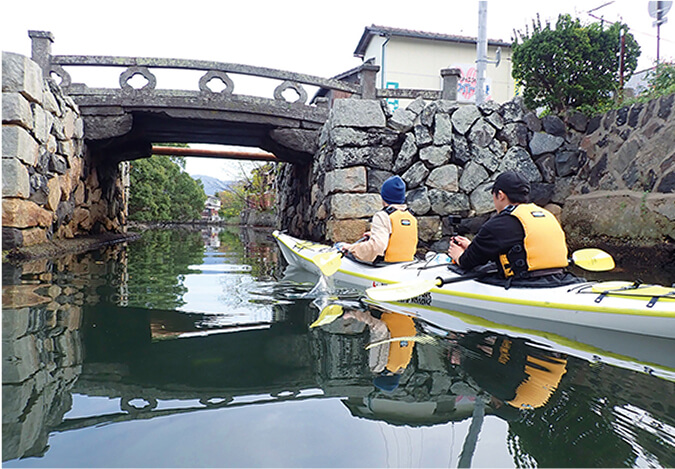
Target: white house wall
[(416, 63)]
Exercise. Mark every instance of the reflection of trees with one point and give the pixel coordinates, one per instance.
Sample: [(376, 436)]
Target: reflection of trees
[(229, 240), (255, 247), (157, 265)]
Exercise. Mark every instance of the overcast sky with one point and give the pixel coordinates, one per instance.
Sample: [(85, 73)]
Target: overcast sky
[(311, 37)]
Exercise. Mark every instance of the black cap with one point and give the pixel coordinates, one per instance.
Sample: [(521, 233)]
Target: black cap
[(513, 184)]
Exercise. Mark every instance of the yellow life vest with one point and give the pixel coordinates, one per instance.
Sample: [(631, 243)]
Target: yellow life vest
[(400, 351), (544, 246), (403, 239), (543, 377)]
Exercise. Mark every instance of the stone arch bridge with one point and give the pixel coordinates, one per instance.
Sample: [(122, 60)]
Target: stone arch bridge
[(121, 124)]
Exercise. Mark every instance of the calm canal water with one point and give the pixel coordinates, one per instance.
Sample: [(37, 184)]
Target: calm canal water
[(194, 349)]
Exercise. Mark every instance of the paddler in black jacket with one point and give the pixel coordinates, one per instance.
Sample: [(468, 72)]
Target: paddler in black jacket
[(523, 239)]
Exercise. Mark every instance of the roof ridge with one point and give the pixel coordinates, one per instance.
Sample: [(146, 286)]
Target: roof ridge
[(373, 30)]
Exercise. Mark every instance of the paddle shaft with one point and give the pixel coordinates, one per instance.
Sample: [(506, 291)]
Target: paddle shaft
[(440, 281), (329, 262), (411, 289)]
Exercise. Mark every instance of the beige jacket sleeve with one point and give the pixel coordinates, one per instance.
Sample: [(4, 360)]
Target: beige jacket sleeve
[(378, 355), (380, 231)]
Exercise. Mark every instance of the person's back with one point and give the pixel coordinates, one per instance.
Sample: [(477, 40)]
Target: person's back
[(543, 246), (523, 239), (393, 231), (402, 243)]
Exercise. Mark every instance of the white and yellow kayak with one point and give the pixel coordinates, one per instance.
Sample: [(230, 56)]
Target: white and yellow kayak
[(625, 307)]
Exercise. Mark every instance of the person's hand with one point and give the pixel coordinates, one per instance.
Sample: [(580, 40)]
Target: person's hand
[(460, 241), (342, 247), (455, 250)]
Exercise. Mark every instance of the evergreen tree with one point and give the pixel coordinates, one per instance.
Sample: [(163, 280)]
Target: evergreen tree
[(161, 191), (572, 65)]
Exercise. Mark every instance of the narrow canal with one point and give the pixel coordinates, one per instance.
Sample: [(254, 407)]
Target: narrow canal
[(194, 349)]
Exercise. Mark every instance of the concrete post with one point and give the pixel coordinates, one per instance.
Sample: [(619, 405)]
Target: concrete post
[(481, 52), (450, 80), (41, 49), (368, 74)]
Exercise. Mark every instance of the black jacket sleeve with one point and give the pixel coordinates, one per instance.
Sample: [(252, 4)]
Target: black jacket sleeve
[(497, 236)]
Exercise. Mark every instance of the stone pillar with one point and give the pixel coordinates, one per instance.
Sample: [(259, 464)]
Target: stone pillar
[(450, 79), (368, 81), (41, 49)]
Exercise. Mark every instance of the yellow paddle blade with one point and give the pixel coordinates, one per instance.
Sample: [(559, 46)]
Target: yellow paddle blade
[(329, 314), (593, 259), (328, 262), (400, 291)]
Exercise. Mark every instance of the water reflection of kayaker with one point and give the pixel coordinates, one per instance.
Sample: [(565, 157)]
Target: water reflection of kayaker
[(509, 369), (389, 359), (393, 230), (523, 239)]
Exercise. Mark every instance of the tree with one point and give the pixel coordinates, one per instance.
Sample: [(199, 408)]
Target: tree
[(161, 191), (232, 200), (572, 65), (661, 80), (254, 190), (260, 187)]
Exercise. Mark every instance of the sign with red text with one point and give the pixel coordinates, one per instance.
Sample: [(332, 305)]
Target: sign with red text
[(466, 86)]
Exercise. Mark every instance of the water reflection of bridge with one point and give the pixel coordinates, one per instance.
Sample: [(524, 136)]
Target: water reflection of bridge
[(143, 357)]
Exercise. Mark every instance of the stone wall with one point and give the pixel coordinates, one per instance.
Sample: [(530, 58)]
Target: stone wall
[(625, 188), (51, 187), (449, 155)]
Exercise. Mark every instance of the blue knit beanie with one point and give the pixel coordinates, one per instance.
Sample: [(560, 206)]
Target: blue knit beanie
[(387, 383), (393, 190)]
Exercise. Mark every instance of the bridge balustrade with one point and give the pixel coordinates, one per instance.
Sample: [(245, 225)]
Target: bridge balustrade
[(366, 88)]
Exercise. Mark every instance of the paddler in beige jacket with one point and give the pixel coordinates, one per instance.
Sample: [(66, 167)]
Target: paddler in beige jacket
[(393, 230)]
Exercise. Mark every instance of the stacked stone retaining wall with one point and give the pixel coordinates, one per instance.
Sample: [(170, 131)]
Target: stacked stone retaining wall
[(625, 189), (449, 155), (52, 188)]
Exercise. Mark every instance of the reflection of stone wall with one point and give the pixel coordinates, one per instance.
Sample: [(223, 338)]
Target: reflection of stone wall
[(51, 187), (42, 356), (450, 154)]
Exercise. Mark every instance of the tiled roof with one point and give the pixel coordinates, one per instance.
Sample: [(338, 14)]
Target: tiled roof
[(375, 30)]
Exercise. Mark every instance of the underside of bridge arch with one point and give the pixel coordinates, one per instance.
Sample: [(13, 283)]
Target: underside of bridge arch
[(130, 136)]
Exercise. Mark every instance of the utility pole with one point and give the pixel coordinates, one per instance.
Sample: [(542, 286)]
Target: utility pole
[(658, 11), (481, 52), (621, 61)]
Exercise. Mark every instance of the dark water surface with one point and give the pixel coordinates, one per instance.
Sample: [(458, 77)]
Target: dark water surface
[(193, 349)]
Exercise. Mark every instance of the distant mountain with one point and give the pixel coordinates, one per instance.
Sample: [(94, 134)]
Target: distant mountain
[(211, 184)]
